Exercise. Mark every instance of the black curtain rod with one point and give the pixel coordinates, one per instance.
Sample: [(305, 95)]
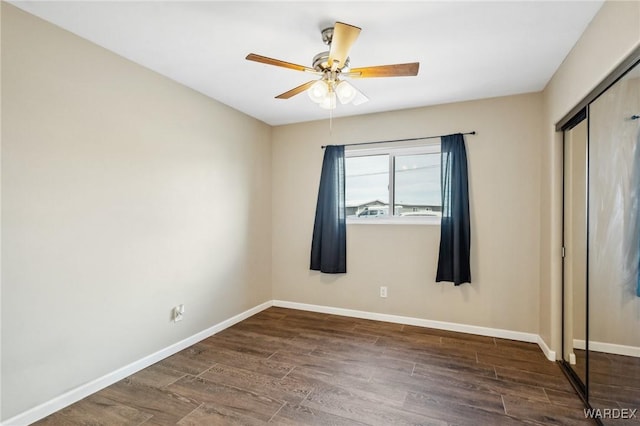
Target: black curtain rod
[(399, 140)]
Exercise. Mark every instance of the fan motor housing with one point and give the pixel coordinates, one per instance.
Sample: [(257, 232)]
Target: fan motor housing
[(321, 62)]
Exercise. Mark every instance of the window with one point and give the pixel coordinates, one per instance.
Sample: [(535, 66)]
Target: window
[(393, 185)]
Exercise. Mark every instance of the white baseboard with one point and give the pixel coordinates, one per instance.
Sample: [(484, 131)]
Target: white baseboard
[(610, 348), (441, 325), (43, 410), (551, 355)]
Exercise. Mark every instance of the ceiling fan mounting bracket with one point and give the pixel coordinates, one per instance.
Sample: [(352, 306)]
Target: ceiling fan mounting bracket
[(327, 36)]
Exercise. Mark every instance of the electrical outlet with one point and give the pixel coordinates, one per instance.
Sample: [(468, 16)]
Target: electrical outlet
[(178, 313), (383, 291)]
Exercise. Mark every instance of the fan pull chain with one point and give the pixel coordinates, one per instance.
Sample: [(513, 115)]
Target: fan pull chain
[(330, 121)]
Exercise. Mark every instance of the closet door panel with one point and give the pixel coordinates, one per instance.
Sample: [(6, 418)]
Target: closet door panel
[(614, 246), (575, 243)]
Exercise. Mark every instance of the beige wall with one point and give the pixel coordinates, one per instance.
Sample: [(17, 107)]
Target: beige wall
[(609, 38), (504, 190), (123, 195)]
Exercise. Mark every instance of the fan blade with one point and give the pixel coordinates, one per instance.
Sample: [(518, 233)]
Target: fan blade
[(344, 35), (277, 63), (296, 90), (395, 70)]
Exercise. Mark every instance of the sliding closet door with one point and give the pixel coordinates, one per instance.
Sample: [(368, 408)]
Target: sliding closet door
[(614, 248), (575, 243)]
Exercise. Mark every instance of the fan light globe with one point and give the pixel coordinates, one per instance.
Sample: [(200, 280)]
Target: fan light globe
[(346, 92), (318, 91), (329, 102)]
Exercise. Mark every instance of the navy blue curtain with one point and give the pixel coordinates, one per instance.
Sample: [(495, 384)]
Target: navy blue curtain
[(329, 244), (455, 237)]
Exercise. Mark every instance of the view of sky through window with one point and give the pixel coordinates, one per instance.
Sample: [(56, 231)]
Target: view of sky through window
[(367, 179), (418, 179)]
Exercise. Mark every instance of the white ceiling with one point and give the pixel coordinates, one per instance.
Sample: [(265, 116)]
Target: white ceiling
[(466, 49)]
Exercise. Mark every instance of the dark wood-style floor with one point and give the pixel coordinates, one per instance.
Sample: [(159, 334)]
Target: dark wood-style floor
[(289, 367)]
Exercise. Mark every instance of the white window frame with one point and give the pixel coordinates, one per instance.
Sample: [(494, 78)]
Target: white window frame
[(392, 152)]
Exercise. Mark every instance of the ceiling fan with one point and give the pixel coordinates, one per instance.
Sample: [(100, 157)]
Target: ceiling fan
[(332, 66)]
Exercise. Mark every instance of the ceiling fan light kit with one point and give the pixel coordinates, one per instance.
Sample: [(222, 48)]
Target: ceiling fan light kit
[(334, 64), (324, 93)]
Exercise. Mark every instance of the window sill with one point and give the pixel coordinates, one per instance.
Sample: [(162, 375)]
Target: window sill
[(433, 221)]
